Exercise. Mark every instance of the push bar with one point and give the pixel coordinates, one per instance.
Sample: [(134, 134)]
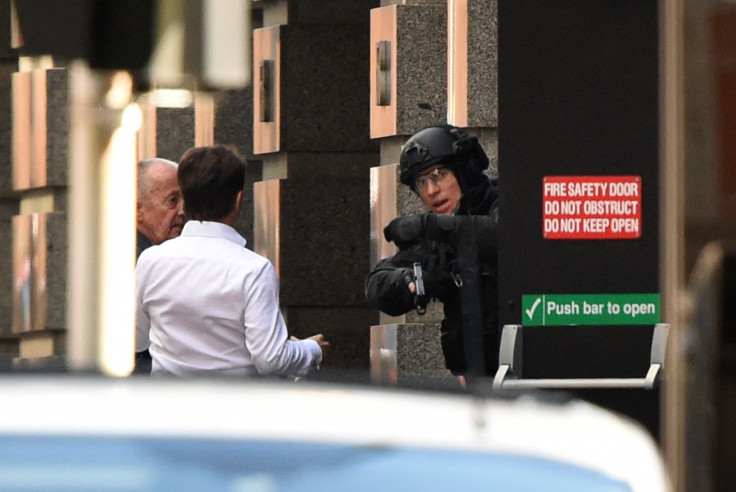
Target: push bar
[(509, 367)]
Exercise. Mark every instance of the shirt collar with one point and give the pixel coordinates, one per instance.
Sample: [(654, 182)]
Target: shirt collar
[(212, 229)]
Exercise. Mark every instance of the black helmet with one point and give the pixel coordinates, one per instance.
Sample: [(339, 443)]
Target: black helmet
[(444, 144)]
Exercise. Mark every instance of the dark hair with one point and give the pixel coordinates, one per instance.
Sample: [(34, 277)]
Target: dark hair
[(209, 180)]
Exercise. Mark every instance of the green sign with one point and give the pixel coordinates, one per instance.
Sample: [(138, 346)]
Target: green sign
[(589, 309)]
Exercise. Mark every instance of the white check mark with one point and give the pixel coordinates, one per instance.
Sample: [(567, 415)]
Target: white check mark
[(530, 312)]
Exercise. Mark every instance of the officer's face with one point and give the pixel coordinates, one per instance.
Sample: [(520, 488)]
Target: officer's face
[(439, 190)]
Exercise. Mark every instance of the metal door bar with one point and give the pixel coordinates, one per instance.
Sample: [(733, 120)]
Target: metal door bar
[(510, 359)]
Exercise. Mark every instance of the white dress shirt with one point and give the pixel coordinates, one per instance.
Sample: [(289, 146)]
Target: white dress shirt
[(208, 305)]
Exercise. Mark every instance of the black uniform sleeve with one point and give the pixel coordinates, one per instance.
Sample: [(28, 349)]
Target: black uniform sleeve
[(387, 286)]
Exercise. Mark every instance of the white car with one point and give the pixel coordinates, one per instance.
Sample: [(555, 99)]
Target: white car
[(66, 432)]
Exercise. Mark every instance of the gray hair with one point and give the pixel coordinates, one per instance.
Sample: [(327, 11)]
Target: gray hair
[(144, 183)]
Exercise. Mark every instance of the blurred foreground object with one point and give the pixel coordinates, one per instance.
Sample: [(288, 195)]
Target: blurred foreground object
[(162, 42), (345, 438)]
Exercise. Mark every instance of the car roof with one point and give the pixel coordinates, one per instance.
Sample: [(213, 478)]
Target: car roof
[(568, 431)]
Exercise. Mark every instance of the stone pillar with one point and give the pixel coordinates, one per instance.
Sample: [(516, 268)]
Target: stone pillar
[(39, 284), (311, 128), (473, 63), (9, 200), (39, 236), (431, 63), (408, 79), (472, 85), (171, 125), (234, 127)]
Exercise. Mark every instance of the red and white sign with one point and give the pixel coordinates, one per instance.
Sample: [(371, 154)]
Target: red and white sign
[(591, 207)]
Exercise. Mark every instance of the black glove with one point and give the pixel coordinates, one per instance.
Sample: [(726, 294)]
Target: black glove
[(408, 229), (441, 228), (447, 229), (405, 231)]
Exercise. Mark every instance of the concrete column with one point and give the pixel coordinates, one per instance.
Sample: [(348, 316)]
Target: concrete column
[(174, 121), (40, 132), (408, 92), (310, 128), (472, 72), (9, 206), (431, 63), (234, 126)]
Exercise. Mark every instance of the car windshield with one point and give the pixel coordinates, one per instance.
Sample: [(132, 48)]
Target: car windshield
[(114, 463)]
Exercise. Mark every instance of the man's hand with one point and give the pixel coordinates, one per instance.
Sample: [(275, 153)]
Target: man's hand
[(321, 341), (438, 283)]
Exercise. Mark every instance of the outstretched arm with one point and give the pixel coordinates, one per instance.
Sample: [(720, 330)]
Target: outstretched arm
[(266, 336), (408, 230), (387, 287)]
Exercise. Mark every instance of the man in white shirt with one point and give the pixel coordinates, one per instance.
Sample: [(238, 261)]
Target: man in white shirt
[(210, 305)]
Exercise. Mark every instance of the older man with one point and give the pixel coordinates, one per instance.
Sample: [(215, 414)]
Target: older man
[(159, 216), (159, 210)]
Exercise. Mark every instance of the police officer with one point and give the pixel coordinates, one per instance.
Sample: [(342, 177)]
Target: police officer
[(449, 254)]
